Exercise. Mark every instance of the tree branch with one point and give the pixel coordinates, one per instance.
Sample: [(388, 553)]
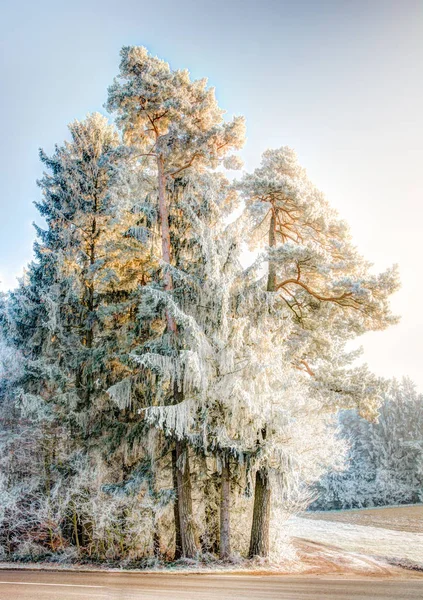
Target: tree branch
[(336, 299)]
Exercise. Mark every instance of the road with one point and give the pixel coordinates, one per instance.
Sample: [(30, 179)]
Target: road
[(35, 585)]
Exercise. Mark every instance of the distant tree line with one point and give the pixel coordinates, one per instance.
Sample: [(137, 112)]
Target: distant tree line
[(384, 463)]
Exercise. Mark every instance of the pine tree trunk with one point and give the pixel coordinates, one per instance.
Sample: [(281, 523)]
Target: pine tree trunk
[(260, 528), (171, 325), (271, 276), (188, 541), (259, 541), (225, 531), (178, 541), (165, 234)]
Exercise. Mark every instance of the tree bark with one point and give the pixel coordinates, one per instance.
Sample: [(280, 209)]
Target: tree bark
[(260, 528), (271, 276), (259, 541), (178, 541), (225, 526), (188, 539), (165, 233), (156, 542)]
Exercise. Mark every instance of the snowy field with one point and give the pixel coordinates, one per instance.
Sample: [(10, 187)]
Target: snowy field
[(399, 518), (395, 534)]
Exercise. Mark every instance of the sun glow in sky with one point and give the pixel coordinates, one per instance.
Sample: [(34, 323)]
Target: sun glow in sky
[(339, 81)]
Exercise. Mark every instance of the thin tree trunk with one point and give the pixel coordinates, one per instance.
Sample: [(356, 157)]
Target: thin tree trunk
[(271, 276), (189, 544), (260, 528), (75, 528), (178, 541), (88, 301), (225, 527), (259, 541), (156, 541), (47, 472)]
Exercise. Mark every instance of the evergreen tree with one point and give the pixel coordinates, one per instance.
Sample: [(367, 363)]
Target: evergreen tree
[(178, 124), (329, 293), (71, 315)]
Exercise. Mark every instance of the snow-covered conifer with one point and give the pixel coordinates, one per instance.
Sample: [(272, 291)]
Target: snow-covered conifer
[(175, 124), (329, 293)]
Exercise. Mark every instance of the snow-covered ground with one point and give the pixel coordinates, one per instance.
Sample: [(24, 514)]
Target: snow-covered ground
[(381, 542)]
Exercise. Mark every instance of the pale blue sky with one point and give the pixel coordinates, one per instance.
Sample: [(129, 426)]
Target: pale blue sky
[(340, 81)]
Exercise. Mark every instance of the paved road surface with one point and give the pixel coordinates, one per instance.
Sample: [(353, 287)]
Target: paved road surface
[(33, 585)]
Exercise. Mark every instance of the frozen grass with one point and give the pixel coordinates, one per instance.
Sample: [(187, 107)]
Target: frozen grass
[(399, 518), (377, 541)]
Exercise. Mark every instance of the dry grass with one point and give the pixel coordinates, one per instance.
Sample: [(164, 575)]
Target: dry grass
[(389, 536)]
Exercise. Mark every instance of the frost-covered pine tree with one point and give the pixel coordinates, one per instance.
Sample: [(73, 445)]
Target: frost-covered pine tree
[(202, 272), (72, 315), (175, 125), (327, 288), (77, 205)]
